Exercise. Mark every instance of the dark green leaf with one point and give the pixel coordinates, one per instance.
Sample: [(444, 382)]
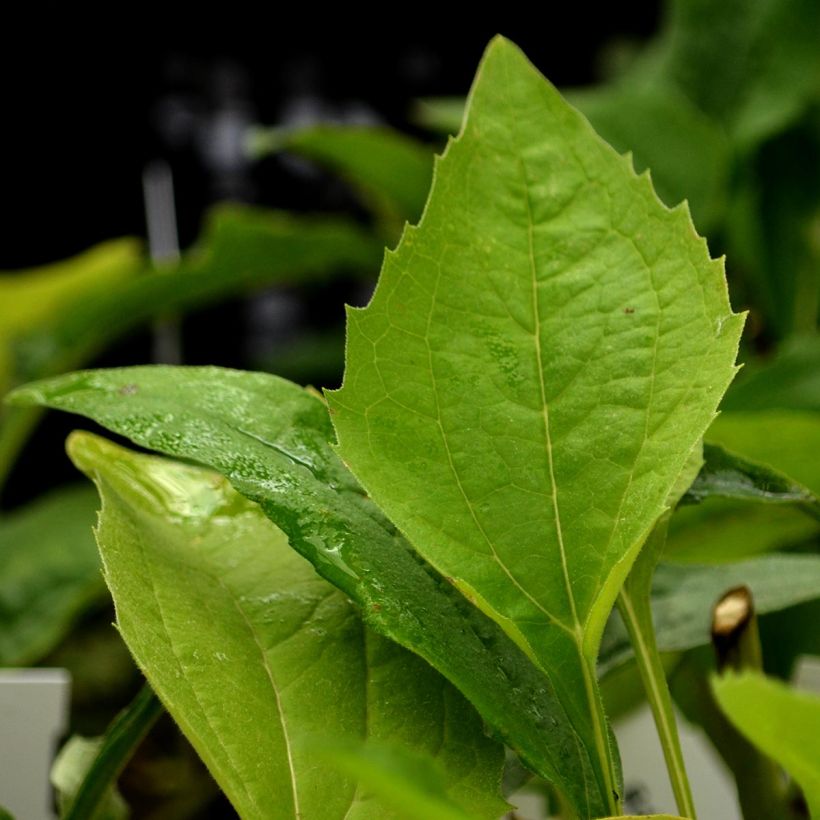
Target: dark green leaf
[(51, 573), (787, 441), (727, 475), (791, 381)]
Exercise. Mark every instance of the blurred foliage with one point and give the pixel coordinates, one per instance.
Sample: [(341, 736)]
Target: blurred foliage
[(723, 107)]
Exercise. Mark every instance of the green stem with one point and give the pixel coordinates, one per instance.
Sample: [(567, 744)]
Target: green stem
[(602, 744), (119, 743), (642, 636)]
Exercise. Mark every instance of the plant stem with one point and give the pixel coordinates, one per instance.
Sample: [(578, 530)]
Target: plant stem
[(642, 636), (602, 743), (735, 637)]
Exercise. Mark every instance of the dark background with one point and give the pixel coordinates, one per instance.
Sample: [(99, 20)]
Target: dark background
[(87, 101)]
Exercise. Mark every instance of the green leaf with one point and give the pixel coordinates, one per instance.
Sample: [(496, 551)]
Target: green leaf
[(725, 529), (791, 381), (687, 153), (51, 573), (771, 232), (720, 530), (242, 248), (113, 751), (781, 722), (68, 774), (441, 114), (539, 359), (752, 65), (787, 441), (392, 170), (253, 654), (727, 475), (410, 785), (272, 440), (683, 597), (40, 296)]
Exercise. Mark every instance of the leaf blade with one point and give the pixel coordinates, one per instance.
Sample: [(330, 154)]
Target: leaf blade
[(783, 722), (529, 378), (284, 460), (253, 653)]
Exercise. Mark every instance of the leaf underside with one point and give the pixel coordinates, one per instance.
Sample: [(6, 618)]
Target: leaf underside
[(256, 656), (541, 356)]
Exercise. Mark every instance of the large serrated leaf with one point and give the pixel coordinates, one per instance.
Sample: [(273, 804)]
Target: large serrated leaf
[(272, 440), (254, 655), (541, 355)]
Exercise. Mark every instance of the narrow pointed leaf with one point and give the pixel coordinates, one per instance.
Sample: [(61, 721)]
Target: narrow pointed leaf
[(272, 440), (253, 654), (68, 775), (541, 355), (683, 597), (782, 722)]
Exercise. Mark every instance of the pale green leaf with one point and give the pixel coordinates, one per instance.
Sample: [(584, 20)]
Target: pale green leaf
[(410, 785), (50, 573), (782, 722), (253, 654), (241, 249), (392, 170), (68, 773), (33, 298), (539, 359), (683, 597), (272, 439)]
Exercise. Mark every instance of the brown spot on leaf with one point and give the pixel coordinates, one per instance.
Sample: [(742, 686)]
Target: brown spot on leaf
[(128, 389), (629, 310)]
